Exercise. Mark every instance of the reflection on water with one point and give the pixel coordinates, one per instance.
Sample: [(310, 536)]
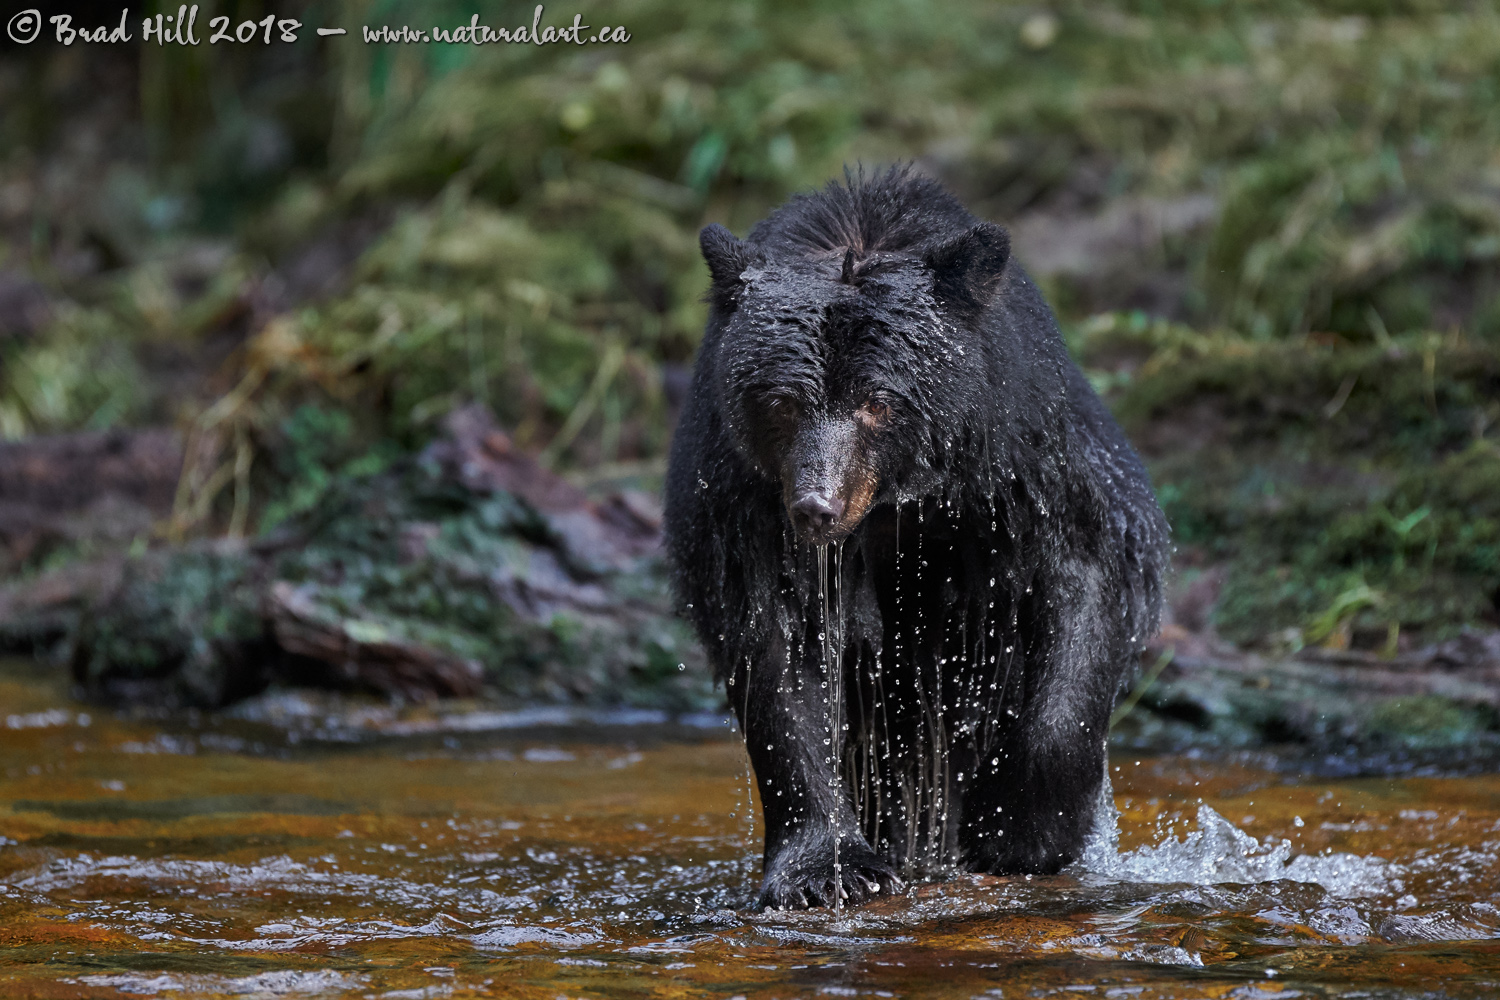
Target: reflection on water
[(372, 853)]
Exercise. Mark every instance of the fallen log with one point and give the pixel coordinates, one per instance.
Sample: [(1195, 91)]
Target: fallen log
[(365, 652)]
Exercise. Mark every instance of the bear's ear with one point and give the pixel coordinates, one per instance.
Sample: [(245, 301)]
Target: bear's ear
[(966, 271), (727, 259)]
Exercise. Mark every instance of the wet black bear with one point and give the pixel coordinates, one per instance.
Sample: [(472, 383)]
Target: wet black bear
[(919, 551)]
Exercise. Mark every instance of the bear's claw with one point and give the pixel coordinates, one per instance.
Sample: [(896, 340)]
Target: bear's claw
[(861, 875)]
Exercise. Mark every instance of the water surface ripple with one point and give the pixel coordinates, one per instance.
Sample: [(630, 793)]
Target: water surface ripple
[(295, 850)]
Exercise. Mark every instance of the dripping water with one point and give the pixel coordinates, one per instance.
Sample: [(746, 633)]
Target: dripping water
[(749, 820), (830, 636)]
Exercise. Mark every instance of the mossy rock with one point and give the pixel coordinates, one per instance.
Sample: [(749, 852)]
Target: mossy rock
[(186, 621), (395, 574)]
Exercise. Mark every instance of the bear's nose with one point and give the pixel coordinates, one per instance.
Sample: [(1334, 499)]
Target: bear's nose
[(816, 512)]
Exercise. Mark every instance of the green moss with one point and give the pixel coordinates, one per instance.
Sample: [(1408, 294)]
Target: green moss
[(189, 619), (546, 198), (83, 374), (1429, 721)]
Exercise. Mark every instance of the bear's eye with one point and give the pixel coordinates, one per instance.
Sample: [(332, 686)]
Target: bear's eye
[(782, 411), (873, 414)]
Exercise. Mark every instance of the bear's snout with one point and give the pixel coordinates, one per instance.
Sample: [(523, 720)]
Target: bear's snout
[(822, 480), (815, 514)]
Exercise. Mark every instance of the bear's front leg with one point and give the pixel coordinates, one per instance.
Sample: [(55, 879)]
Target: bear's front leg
[(1034, 794), (815, 853)]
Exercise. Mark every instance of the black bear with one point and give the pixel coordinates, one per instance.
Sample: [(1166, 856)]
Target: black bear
[(919, 551)]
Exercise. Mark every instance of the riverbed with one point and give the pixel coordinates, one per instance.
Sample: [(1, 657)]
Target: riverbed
[(316, 845)]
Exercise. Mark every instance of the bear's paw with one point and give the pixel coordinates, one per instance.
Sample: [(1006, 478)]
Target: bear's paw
[(811, 876)]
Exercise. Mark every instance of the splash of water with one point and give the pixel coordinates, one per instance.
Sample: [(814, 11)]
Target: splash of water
[(1219, 852)]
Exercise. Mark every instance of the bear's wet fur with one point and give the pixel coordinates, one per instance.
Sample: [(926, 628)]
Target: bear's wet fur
[(888, 463)]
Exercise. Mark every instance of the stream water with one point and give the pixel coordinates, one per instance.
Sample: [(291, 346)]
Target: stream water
[(316, 847)]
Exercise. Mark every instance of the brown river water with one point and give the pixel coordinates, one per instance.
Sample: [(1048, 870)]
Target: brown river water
[(305, 847)]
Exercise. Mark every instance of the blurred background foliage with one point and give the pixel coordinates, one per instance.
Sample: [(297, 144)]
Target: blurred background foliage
[(1270, 230)]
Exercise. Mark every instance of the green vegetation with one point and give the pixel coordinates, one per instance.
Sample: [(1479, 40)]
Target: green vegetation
[(1316, 411), (1351, 489)]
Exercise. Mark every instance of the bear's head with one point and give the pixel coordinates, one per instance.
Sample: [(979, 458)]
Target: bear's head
[(848, 375)]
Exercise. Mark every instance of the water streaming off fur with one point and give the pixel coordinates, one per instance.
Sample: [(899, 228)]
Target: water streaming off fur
[(831, 636), (334, 849), (869, 761)]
